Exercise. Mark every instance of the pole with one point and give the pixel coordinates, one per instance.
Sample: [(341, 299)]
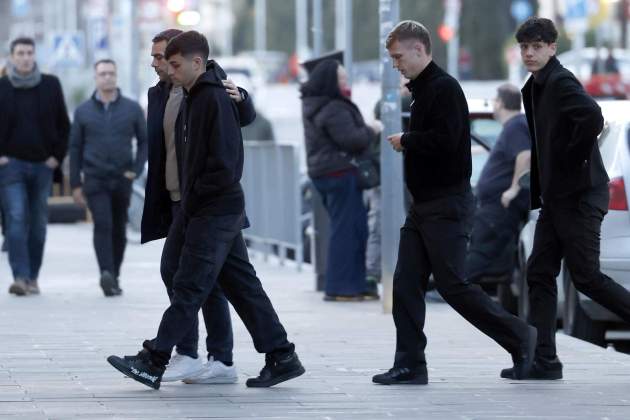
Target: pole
[(392, 187), (453, 8), (318, 32), (301, 28), (348, 51), (261, 25)]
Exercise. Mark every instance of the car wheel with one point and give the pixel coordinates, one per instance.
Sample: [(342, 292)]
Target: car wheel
[(575, 321)]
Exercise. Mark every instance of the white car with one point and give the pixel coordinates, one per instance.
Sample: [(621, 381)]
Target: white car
[(580, 316)]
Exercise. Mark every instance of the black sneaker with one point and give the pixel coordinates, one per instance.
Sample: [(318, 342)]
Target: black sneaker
[(116, 290), (541, 370), (140, 369), (402, 376), (277, 369), (141, 354), (524, 359), (108, 283)]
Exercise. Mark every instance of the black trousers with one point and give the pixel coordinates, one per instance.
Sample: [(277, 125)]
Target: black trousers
[(569, 228), (216, 311), (214, 252), (433, 240), (108, 201)]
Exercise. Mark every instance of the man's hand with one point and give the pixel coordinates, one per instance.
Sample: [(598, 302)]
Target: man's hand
[(130, 175), (3, 160), (52, 163), (376, 126), (77, 195), (232, 90), (509, 195), (394, 140)]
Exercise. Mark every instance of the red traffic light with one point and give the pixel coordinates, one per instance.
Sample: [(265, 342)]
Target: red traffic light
[(446, 33)]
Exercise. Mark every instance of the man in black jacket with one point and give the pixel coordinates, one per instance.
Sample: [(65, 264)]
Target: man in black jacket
[(210, 164), (437, 169), (569, 185), (162, 217), (101, 149), (34, 128)]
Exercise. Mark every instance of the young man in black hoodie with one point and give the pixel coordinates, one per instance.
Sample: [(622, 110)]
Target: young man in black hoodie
[(210, 164), (569, 184), (437, 168), (162, 217)]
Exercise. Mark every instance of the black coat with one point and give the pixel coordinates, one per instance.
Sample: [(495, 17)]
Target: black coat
[(437, 160), (51, 115), (334, 130), (156, 217), (564, 122)]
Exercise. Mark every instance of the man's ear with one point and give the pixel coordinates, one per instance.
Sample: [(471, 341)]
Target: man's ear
[(554, 47)]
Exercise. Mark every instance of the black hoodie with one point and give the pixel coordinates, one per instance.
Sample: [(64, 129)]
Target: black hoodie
[(209, 149)]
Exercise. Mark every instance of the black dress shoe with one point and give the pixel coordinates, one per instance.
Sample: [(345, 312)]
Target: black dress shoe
[(277, 369), (402, 376), (140, 369), (108, 283), (541, 370), (524, 359)]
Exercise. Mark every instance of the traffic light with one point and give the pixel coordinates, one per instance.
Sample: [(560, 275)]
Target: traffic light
[(185, 11), (445, 32)]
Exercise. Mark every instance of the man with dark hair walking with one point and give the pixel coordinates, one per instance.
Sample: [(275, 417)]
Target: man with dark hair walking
[(210, 165), (501, 203), (162, 217), (437, 168), (569, 185), (101, 150), (34, 128)]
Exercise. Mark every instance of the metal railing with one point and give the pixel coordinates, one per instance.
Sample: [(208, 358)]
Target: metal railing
[(271, 182)]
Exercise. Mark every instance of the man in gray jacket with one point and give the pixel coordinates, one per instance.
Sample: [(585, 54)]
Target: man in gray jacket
[(101, 149)]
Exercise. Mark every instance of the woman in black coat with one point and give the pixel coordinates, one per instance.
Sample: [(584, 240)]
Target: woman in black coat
[(335, 133)]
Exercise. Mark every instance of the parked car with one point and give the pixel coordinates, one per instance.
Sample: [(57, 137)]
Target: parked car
[(600, 84), (580, 316)]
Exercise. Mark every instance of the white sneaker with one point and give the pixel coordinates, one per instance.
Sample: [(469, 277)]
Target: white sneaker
[(214, 372), (181, 367)]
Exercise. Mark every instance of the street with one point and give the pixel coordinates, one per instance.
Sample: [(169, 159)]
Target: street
[(52, 358)]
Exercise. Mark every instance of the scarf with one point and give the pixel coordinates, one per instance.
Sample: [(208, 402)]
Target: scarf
[(20, 81)]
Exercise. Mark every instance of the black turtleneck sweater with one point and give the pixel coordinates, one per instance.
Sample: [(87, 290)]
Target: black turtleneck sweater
[(436, 145)]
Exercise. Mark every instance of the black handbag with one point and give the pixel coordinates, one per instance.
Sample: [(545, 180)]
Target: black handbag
[(368, 171)]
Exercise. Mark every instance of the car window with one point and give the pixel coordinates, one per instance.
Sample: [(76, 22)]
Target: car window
[(479, 157), (487, 129)]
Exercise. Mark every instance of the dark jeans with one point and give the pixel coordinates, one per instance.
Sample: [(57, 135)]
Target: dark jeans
[(569, 228), (108, 201), (433, 240), (24, 190), (216, 311), (214, 252), (495, 229), (343, 200)]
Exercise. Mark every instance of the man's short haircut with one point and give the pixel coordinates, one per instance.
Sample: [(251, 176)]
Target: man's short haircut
[(510, 95), (188, 44), (408, 30), (21, 41), (166, 35), (104, 61), (536, 29)]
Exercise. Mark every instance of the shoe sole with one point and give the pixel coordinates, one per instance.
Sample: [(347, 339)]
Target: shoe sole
[(343, 298), (124, 369), (532, 341), (213, 381), (548, 376), (410, 382), (277, 380)]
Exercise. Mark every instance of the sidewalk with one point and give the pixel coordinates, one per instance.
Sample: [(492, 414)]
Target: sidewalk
[(53, 349)]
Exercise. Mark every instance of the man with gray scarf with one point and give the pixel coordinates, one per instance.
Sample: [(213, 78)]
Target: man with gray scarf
[(34, 129)]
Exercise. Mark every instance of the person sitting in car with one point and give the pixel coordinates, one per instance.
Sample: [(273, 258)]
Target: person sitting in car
[(501, 203)]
